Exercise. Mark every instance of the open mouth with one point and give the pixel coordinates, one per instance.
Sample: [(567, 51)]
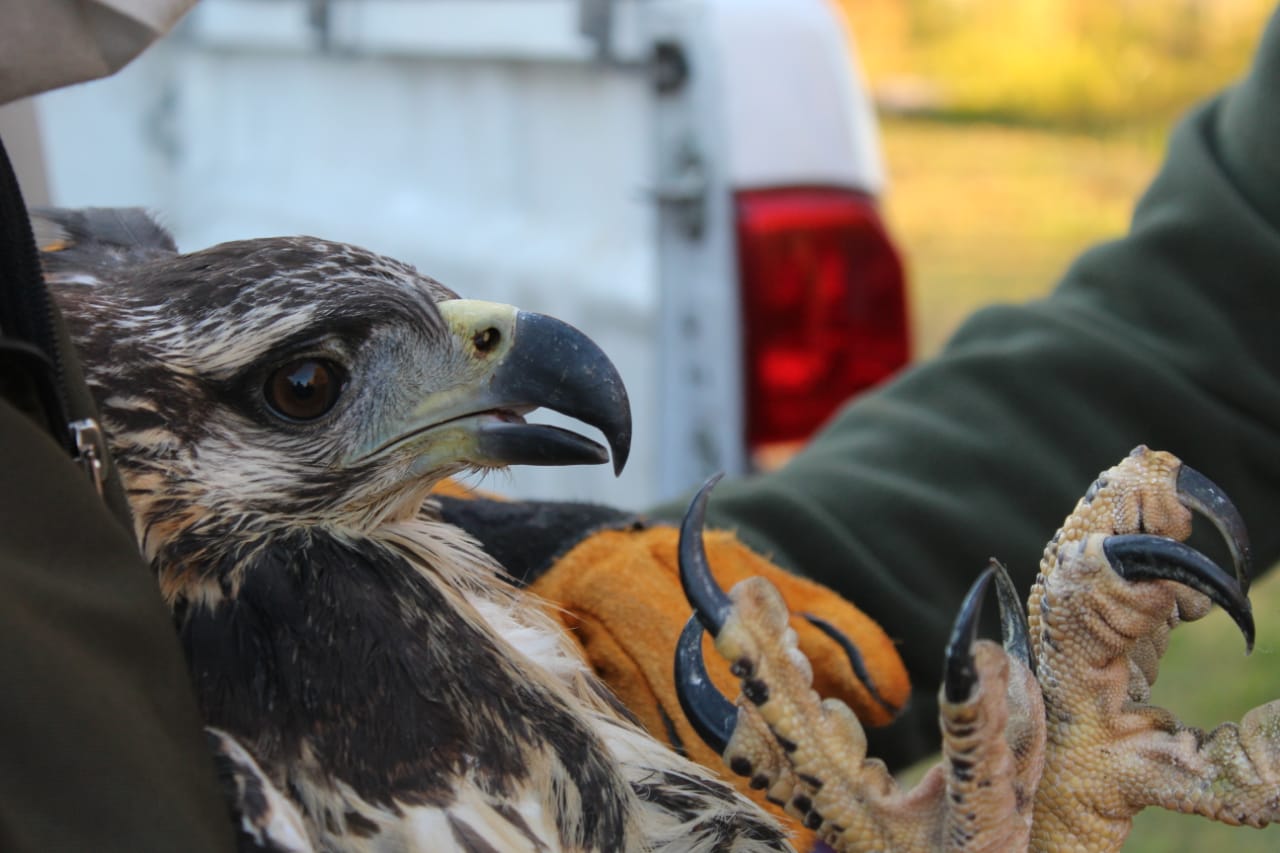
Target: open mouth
[(509, 416), (516, 442), (501, 437)]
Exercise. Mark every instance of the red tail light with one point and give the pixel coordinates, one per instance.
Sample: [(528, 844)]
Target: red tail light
[(824, 302)]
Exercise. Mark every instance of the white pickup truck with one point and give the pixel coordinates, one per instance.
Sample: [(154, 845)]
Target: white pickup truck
[(691, 182)]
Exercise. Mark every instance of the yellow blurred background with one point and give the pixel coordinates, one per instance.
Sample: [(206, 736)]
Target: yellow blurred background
[(1017, 133), (1058, 62)]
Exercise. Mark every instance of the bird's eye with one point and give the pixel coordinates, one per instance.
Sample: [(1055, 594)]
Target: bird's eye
[(303, 390)]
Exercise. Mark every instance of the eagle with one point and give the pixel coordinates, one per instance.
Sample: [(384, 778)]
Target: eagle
[(279, 411)]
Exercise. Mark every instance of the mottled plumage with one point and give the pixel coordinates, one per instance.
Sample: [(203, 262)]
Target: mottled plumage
[(369, 677)]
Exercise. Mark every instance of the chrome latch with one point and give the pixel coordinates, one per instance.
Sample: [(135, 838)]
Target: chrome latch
[(91, 449), (683, 188)]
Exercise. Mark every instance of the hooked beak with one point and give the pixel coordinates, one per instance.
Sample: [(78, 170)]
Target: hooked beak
[(512, 362)]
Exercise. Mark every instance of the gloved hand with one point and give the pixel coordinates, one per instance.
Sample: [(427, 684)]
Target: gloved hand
[(613, 580)]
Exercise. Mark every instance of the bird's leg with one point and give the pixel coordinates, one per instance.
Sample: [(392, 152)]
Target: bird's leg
[(810, 754), (1114, 581)]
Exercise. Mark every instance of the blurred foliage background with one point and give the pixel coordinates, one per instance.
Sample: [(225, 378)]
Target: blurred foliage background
[(1017, 133), (1079, 63)]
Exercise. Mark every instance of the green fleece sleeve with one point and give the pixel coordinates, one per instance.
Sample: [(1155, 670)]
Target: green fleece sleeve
[(1167, 337)]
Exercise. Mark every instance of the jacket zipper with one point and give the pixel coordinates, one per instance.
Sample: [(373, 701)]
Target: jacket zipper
[(27, 309)]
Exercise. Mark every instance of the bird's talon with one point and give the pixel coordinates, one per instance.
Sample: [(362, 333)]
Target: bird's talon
[(736, 733), (1141, 557), (1015, 632), (1200, 494), (1114, 582), (712, 716), (710, 603), (809, 755), (959, 676), (1047, 741)]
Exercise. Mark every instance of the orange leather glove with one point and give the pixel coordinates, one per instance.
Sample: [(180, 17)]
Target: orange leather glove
[(613, 580)]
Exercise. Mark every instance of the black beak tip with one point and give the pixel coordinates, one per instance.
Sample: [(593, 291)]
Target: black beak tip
[(610, 411), (620, 445)]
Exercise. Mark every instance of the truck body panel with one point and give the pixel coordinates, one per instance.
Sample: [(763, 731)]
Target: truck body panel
[(525, 151)]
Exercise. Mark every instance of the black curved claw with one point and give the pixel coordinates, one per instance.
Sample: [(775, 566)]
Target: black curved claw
[(712, 716), (709, 601), (959, 674), (1015, 633), (1138, 557), (855, 660), (1200, 494)]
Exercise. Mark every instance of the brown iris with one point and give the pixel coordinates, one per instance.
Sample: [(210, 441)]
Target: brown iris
[(303, 390)]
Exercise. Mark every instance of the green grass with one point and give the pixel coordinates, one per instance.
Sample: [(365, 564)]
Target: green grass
[(988, 213)]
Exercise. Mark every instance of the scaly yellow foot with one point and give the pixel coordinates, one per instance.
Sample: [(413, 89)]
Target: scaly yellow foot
[(1113, 583), (810, 754), (1058, 761)]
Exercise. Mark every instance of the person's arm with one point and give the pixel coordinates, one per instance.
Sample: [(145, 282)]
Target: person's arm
[(1169, 337)]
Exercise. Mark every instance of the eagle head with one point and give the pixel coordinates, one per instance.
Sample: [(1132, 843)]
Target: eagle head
[(275, 383)]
